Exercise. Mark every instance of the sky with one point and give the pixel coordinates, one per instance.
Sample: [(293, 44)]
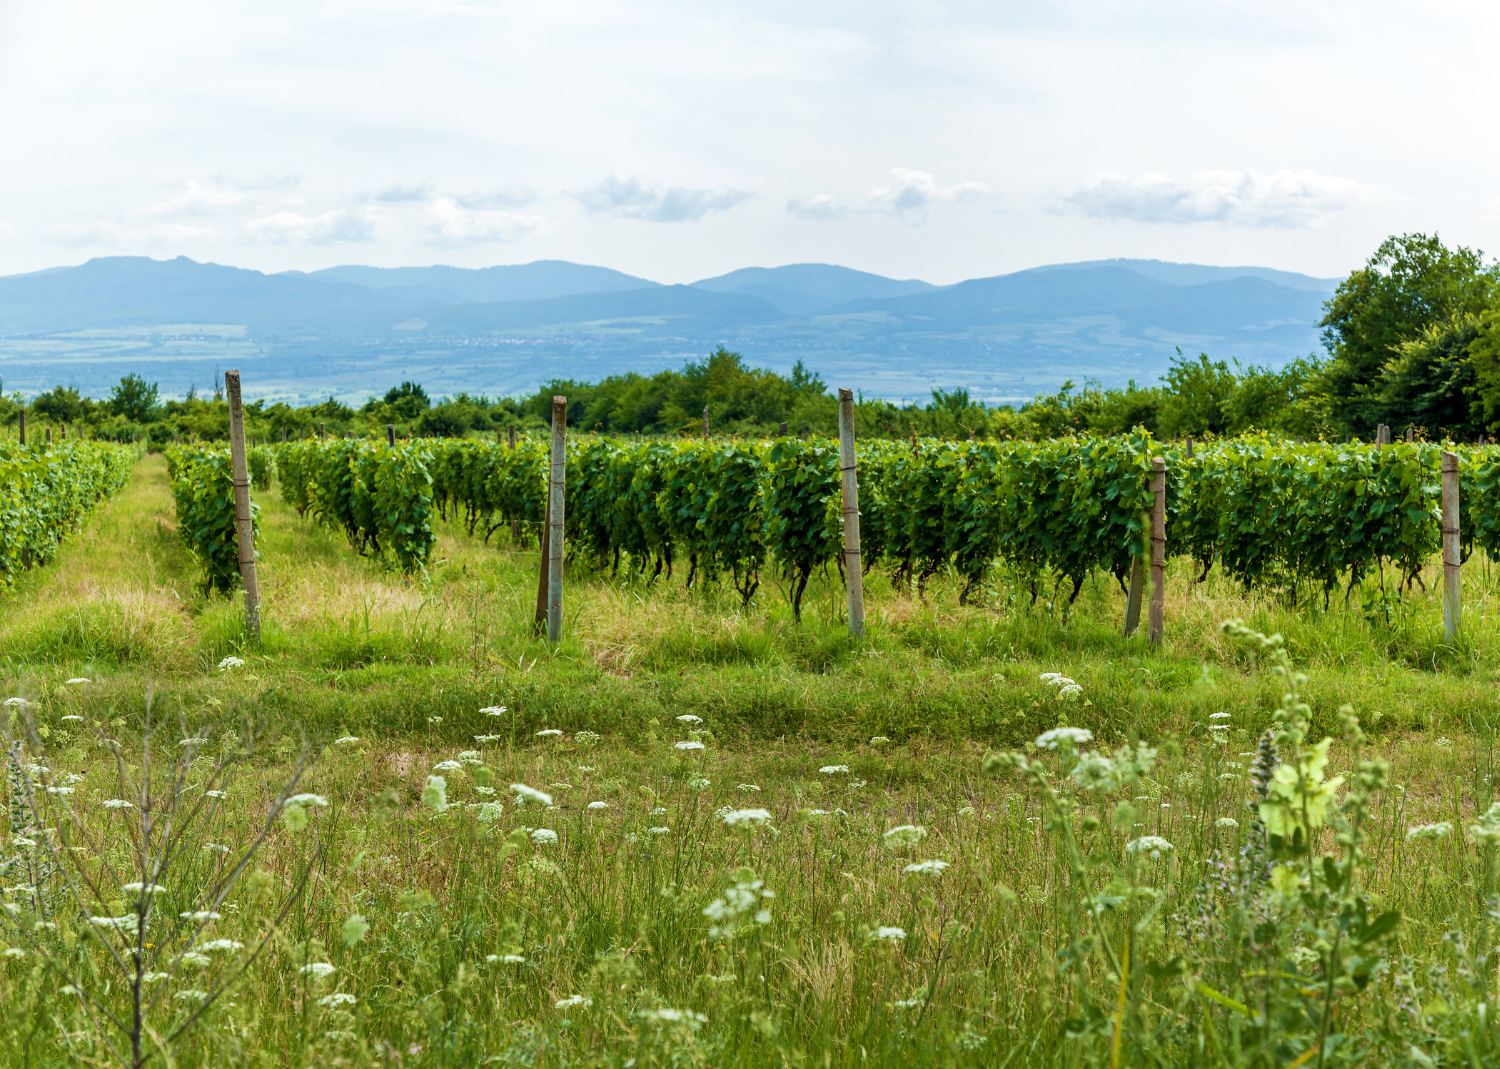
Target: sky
[(678, 141)]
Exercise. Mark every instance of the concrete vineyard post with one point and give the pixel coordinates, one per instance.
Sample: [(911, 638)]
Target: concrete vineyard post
[(21, 424), (705, 423), (1409, 436), (1452, 599), (322, 430), (1158, 549), (1190, 447), (390, 435), (49, 435), (853, 571), (512, 436), (244, 527), (1382, 435), (1133, 598), (782, 432), (555, 499)]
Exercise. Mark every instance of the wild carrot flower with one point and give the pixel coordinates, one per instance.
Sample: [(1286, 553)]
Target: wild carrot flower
[(79, 679), (493, 710), (544, 836), (318, 970), (548, 733), (1429, 831), (830, 770), (1067, 738), (888, 934), (747, 787), (220, 946), (338, 998), (447, 766), (737, 817), (598, 805), (926, 868), (688, 745), (229, 663), (529, 794), (571, 1001), (346, 740), (689, 718), (1154, 845), (905, 835)]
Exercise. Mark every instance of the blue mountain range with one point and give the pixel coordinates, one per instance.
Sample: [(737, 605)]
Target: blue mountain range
[(354, 331)]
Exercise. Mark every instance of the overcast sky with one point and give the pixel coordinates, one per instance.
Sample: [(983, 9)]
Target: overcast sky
[(680, 140)]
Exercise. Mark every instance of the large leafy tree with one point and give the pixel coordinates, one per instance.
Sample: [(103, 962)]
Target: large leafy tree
[(134, 399), (1412, 282)]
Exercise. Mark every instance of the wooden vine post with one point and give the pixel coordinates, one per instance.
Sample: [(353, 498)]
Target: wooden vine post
[(555, 498), (1452, 601), (853, 569), (1158, 549), (243, 524), (21, 424), (705, 423), (390, 435)]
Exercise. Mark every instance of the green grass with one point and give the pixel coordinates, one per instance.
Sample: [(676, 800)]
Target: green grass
[(615, 913)]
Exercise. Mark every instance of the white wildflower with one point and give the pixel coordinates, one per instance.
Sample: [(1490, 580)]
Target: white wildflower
[(190, 995), (737, 817), (1154, 845), (700, 783), (926, 868), (338, 998), (1068, 738), (879, 740), (543, 836), (659, 831), (305, 800), (688, 745), (1069, 690), (905, 835), (221, 946), (138, 887), (216, 794), (888, 934), (318, 970), (128, 923), (78, 679), (571, 1001), (72, 716), (447, 766), (747, 787), (525, 794), (229, 663), (489, 812), (830, 770), (548, 733), (689, 718), (346, 740), (1429, 831), (200, 916), (1226, 822), (493, 710), (598, 805)]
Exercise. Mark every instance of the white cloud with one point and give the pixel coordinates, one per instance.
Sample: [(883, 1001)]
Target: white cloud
[(115, 235), (914, 192), (403, 194), (6, 229), (450, 223), (1239, 198), (221, 195), (821, 207), (508, 197), (629, 198), (341, 224)]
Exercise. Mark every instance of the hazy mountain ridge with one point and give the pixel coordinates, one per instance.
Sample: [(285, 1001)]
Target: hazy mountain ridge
[(348, 330)]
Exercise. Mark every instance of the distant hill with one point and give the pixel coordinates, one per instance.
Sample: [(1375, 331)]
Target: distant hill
[(535, 281), (1193, 274), (801, 289), (354, 331)]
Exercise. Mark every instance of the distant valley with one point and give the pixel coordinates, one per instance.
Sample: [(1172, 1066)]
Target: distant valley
[(354, 331)]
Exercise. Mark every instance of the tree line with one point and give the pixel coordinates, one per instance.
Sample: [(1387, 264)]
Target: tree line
[(1410, 340)]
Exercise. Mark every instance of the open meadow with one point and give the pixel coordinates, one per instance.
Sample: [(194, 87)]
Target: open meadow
[(404, 830)]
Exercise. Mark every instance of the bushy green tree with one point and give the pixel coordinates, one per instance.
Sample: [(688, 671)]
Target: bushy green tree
[(1411, 283), (134, 399)]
